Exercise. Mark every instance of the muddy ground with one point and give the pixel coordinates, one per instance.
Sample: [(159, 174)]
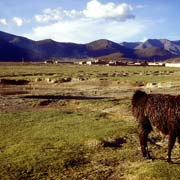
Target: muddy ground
[(16, 98)]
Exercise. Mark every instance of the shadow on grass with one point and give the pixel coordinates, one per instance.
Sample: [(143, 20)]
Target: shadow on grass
[(173, 160), (114, 143), (59, 97)]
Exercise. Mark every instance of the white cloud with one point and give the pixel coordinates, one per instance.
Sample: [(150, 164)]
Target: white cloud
[(18, 21), (95, 9), (144, 39), (95, 21), (49, 15), (3, 21), (55, 15), (86, 30), (73, 13)]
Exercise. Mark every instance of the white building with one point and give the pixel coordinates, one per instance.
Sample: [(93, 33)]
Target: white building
[(156, 64), (172, 64), (88, 62)]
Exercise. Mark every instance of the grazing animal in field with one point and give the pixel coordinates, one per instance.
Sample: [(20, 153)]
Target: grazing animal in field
[(160, 111)]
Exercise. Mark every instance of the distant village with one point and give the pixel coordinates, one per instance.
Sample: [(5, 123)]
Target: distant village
[(93, 61)]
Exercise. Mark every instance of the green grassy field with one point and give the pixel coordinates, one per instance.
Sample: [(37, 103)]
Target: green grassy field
[(74, 139)]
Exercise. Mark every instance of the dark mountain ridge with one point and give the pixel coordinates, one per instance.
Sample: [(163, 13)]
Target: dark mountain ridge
[(171, 46), (16, 48), (104, 47)]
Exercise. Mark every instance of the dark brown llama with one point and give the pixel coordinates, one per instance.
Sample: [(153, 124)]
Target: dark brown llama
[(159, 111)]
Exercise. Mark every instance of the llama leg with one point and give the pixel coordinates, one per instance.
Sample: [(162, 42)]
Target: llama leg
[(144, 129), (172, 139), (143, 136)]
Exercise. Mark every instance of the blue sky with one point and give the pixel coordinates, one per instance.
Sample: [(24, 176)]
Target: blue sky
[(83, 21)]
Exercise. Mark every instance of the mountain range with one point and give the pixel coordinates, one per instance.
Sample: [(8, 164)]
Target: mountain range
[(16, 48)]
